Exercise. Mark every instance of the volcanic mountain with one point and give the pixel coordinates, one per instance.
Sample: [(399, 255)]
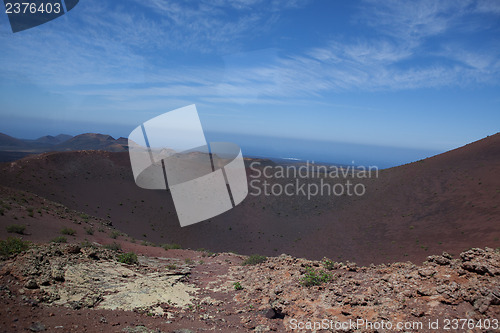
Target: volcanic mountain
[(448, 202), (93, 141), (7, 142), (53, 140), (12, 148)]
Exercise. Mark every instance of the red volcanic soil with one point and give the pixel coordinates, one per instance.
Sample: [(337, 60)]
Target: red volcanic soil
[(29, 309), (448, 202), (83, 286), (445, 203), (44, 221)]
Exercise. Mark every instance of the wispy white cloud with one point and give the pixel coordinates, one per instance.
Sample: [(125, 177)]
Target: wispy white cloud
[(412, 20), (121, 54), (488, 6), (107, 42), (214, 25)]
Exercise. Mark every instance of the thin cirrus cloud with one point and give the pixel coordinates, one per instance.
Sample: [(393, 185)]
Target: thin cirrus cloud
[(108, 42), (410, 46), (397, 57), (208, 26)]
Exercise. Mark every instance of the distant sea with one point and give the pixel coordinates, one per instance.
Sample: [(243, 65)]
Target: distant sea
[(337, 153), (323, 151)]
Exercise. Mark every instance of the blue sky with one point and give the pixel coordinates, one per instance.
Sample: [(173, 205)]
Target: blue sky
[(417, 75)]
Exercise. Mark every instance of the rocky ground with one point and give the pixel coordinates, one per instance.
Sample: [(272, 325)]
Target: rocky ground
[(84, 287), (72, 279)]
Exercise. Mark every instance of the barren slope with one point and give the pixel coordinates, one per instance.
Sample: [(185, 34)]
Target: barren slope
[(445, 203)]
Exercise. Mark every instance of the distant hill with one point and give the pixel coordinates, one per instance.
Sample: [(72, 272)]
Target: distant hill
[(7, 141), (93, 141), (13, 148), (54, 140)]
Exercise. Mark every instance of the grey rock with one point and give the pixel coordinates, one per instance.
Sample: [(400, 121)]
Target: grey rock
[(495, 297), (57, 274), (476, 267), (482, 304), (37, 327), (137, 329), (31, 284), (426, 272)]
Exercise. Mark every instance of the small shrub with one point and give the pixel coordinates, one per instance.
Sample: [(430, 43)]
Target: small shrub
[(113, 246), (30, 212), (87, 244), (68, 231), (329, 264), (89, 230), (129, 258), (16, 228), (59, 239), (171, 246), (114, 234), (189, 261), (171, 266), (237, 286), (315, 278), (13, 245), (254, 259), (206, 253)]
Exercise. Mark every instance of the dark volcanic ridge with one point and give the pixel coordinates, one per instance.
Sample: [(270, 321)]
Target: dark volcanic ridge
[(12, 148)]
